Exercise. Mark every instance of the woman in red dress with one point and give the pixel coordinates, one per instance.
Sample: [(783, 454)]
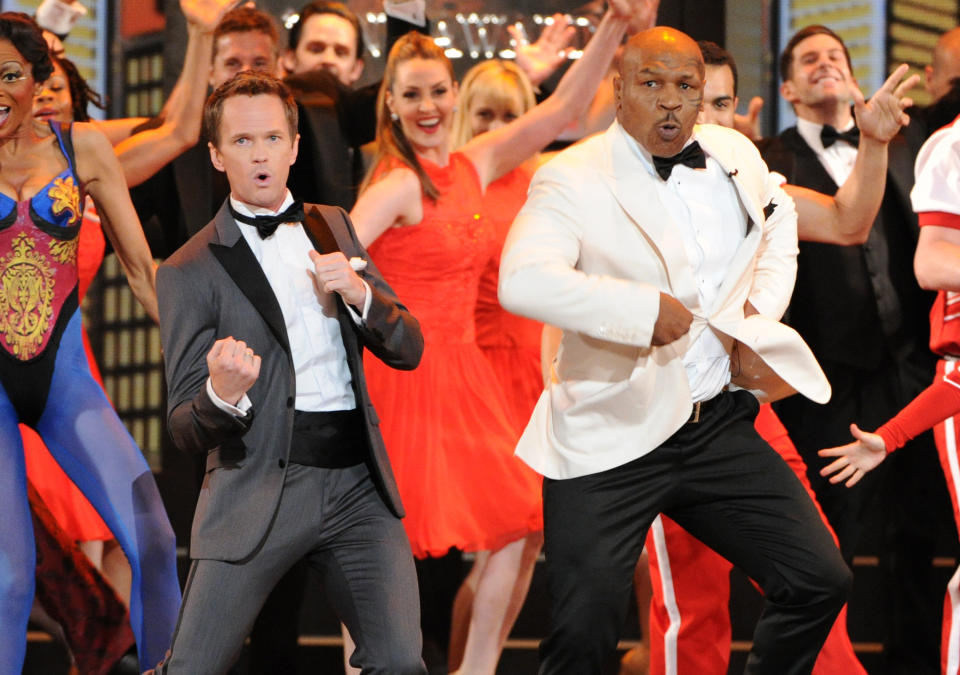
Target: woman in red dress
[(448, 432)]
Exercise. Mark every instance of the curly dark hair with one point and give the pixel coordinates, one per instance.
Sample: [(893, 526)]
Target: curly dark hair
[(81, 95), (25, 35)]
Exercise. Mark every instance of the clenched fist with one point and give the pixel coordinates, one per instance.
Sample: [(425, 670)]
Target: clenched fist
[(233, 369), (333, 274)]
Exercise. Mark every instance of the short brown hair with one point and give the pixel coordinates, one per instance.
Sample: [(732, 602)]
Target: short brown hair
[(246, 19), (247, 83), (326, 7), (786, 58)]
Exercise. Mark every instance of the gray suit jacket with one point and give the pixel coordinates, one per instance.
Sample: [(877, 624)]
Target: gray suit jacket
[(213, 287)]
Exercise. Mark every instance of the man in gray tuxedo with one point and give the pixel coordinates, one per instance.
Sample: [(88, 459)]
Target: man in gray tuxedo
[(264, 315)]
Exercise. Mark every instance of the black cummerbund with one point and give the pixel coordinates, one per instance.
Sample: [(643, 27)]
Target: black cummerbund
[(330, 439)]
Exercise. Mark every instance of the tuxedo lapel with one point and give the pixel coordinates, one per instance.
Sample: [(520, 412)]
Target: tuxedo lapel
[(808, 170), (318, 231), (634, 190), (236, 258), (756, 214), (325, 241)]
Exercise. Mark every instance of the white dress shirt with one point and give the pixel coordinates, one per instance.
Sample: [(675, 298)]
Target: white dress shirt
[(704, 205), (323, 380), (838, 159)]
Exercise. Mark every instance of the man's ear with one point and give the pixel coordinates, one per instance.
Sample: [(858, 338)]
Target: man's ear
[(617, 91), (356, 71), (296, 149), (289, 61), (215, 157), (788, 92)]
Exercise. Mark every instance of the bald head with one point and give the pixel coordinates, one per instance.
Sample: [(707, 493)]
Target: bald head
[(659, 89), (945, 66)]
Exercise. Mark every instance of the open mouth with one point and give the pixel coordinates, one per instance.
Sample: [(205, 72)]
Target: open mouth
[(4, 114), (668, 130), (429, 125), (261, 178)]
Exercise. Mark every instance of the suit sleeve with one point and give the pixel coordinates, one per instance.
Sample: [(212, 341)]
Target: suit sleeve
[(539, 275), (187, 332), (776, 269), (390, 331)]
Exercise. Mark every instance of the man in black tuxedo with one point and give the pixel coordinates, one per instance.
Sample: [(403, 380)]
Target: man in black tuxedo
[(265, 376), (863, 314)]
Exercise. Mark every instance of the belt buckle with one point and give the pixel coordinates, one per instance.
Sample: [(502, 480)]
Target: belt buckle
[(695, 414)]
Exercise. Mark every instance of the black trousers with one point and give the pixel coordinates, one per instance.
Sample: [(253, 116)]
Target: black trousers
[(723, 484)]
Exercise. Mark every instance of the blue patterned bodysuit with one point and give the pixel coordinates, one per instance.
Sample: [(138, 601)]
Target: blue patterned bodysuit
[(45, 382)]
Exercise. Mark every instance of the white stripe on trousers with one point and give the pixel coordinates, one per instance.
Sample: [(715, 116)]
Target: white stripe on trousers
[(953, 587), (669, 598)]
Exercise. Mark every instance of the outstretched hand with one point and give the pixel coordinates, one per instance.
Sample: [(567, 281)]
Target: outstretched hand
[(643, 15), (882, 116), (854, 459), (206, 14), (749, 124), (540, 59)]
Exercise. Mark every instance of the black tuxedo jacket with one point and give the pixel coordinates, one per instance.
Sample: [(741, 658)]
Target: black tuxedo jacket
[(859, 306)]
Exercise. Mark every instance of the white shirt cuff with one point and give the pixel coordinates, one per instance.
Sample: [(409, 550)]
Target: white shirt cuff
[(360, 318), (411, 11), (239, 410)]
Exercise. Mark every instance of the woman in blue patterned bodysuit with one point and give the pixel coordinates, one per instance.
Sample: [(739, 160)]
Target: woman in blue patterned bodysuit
[(44, 378)]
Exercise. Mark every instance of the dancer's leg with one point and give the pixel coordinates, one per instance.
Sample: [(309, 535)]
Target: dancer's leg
[(501, 589), (85, 436), (17, 551)]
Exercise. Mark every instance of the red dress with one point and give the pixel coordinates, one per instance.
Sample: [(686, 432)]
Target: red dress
[(510, 342), (447, 432), (70, 509)]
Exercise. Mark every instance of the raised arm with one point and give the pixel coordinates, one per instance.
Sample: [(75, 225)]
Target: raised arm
[(847, 217), (495, 153), (143, 154), (100, 172)]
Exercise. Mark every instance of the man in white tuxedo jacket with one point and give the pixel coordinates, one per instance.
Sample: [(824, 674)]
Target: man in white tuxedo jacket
[(667, 253)]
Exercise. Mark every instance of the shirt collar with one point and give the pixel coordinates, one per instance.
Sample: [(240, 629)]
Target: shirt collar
[(810, 132), (249, 210), (645, 156)]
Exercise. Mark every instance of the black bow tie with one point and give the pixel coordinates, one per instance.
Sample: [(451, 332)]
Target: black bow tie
[(691, 156), (267, 225), (829, 136)]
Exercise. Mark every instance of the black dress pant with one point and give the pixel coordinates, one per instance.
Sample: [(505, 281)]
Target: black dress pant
[(723, 484)]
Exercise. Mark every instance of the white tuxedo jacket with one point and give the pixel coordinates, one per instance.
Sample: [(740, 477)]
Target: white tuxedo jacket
[(590, 252)]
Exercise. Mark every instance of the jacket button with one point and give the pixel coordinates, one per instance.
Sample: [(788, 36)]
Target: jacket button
[(289, 401), (282, 462)]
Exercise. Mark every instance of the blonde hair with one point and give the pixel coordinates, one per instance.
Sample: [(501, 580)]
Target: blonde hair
[(499, 81), (391, 141)]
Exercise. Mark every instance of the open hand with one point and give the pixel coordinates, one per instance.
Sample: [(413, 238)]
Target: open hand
[(749, 124), (882, 116), (233, 369), (206, 14), (540, 59), (333, 274), (643, 15), (854, 459)]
